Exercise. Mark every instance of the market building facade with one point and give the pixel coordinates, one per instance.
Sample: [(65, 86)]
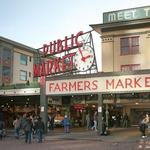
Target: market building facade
[(71, 85)]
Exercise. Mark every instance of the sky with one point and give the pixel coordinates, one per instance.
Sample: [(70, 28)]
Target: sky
[(35, 22)]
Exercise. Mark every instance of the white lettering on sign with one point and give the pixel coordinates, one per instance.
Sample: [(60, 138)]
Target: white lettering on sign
[(122, 15), (147, 11), (99, 84), (126, 14)]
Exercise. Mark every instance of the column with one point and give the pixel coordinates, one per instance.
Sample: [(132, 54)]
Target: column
[(107, 114), (43, 104), (100, 104)]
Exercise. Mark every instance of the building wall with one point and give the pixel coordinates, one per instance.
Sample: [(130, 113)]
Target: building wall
[(10, 66), (17, 66), (111, 56)]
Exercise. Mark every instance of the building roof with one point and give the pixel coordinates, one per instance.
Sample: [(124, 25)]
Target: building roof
[(19, 45), (106, 27)]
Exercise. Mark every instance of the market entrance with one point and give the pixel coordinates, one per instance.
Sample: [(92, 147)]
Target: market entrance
[(114, 94)]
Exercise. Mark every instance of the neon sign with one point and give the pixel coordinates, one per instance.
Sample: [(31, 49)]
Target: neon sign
[(57, 64)]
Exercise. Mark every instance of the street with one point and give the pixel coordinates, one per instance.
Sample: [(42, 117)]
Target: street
[(9, 144), (119, 139), (72, 144)]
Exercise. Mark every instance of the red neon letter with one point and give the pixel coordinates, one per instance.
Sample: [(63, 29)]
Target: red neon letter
[(36, 69), (45, 49), (76, 39)]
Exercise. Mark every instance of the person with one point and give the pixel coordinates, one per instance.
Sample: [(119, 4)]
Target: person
[(40, 129), (16, 124), (87, 121), (66, 124), (23, 123), (125, 120), (28, 130), (143, 125), (51, 120), (94, 127), (104, 127), (1, 129)]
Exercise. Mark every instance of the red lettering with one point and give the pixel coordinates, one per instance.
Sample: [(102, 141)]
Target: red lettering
[(79, 44), (64, 86), (43, 72), (72, 86), (57, 88), (45, 50), (128, 83), (72, 39), (66, 43), (136, 82), (94, 85), (147, 81), (110, 84), (51, 86), (36, 69), (49, 67), (79, 85), (57, 65), (52, 47), (59, 46), (87, 85), (64, 63), (71, 61), (119, 84)]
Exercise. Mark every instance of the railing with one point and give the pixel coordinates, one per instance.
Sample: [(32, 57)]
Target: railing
[(20, 86)]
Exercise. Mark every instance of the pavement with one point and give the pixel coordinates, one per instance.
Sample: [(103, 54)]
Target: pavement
[(131, 134)]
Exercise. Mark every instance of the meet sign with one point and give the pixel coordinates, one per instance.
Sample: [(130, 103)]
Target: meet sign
[(127, 14)]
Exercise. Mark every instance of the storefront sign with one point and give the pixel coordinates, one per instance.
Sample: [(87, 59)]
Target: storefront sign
[(100, 84), (127, 14)]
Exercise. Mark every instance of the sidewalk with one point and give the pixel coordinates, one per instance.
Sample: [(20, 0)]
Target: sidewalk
[(116, 135)]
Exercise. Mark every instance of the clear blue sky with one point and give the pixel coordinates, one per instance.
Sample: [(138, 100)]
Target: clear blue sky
[(34, 22)]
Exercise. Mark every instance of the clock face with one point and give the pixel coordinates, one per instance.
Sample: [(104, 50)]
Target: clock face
[(84, 58)]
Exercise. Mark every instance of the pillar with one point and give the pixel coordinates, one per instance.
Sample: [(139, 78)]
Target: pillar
[(43, 104), (100, 104), (107, 114)]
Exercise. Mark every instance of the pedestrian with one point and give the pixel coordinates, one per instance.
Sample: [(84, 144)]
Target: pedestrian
[(125, 120), (40, 129), (143, 125), (23, 123), (28, 130), (1, 129), (88, 121), (52, 120), (66, 124), (104, 127), (16, 124), (94, 127)]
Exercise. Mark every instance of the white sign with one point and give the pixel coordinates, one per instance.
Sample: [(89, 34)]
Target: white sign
[(124, 83), (100, 109), (42, 108)]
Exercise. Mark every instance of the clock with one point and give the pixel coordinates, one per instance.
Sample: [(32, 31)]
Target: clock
[(84, 58)]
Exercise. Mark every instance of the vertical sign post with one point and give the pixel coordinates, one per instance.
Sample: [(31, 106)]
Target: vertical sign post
[(100, 104)]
